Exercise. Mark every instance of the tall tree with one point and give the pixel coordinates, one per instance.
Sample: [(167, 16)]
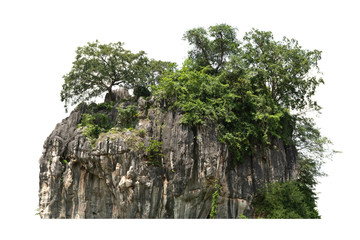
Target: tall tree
[(283, 68), (213, 47), (99, 67)]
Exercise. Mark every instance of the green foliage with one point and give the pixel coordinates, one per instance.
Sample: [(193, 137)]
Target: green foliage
[(282, 68), (99, 67), (90, 129), (37, 211), (64, 161), (284, 200), (141, 91), (94, 124), (242, 216), (154, 152), (141, 146), (142, 133), (127, 116), (106, 106), (214, 201), (212, 48)]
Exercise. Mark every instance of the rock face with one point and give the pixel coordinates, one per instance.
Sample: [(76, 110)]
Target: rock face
[(115, 179)]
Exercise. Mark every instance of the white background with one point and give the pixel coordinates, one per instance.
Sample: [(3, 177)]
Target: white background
[(38, 41)]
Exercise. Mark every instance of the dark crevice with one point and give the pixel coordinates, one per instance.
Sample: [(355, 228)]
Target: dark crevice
[(253, 173), (194, 176)]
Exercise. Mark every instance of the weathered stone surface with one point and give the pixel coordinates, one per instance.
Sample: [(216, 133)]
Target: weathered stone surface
[(115, 180), (118, 94)]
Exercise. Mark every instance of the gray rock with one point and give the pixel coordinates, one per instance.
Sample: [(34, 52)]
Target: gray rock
[(115, 179), (117, 95)]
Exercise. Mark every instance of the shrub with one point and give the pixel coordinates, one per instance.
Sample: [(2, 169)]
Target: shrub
[(284, 200), (104, 106), (142, 133), (102, 120), (214, 201), (141, 146), (94, 124), (127, 116), (141, 91), (154, 153)]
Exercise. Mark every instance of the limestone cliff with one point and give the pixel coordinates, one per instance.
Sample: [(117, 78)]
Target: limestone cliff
[(114, 178)]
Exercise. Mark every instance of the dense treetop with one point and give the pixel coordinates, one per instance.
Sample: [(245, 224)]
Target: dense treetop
[(98, 68)]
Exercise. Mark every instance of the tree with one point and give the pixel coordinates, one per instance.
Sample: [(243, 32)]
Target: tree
[(99, 67), (282, 68), (213, 47), (249, 89)]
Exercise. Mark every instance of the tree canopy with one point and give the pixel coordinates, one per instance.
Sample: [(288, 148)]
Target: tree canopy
[(98, 68), (283, 68), (213, 47)]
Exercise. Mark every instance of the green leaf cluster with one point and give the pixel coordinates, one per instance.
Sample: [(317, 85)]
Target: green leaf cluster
[(212, 47), (94, 124), (283, 68), (284, 200), (105, 106), (127, 116), (154, 152), (98, 68), (214, 205)]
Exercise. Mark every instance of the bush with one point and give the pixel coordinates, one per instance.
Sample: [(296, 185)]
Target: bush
[(94, 124), (154, 153), (104, 106), (141, 91), (142, 133), (127, 116), (284, 200)]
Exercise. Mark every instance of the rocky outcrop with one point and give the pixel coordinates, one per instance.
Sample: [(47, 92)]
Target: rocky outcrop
[(117, 95), (114, 178)]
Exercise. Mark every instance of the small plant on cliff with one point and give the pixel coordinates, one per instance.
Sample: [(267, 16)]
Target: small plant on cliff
[(94, 124), (242, 216), (141, 146), (214, 205), (107, 106), (127, 116), (142, 133), (64, 161), (154, 152)]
